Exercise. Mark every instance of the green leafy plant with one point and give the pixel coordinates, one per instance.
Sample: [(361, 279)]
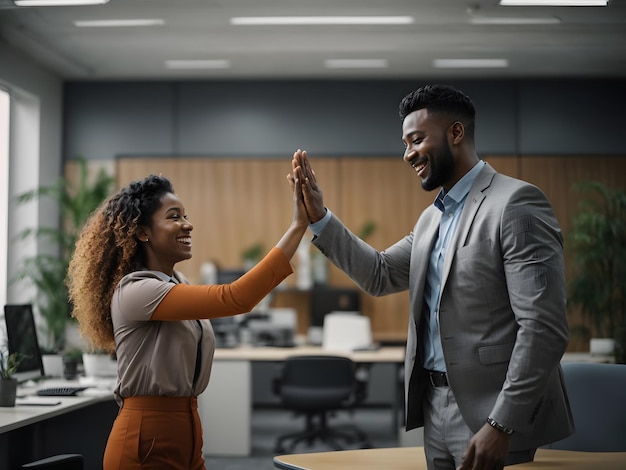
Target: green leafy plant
[(253, 253), (367, 229), (9, 367), (597, 242), (48, 271)]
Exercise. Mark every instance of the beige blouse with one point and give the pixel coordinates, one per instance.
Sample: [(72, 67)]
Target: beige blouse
[(156, 329)]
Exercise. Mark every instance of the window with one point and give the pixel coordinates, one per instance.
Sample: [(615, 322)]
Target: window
[(4, 191)]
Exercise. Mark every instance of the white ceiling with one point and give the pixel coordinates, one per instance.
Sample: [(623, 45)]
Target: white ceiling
[(589, 42)]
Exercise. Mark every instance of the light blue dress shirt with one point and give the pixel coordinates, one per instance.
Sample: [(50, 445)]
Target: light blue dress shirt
[(320, 225), (451, 205)]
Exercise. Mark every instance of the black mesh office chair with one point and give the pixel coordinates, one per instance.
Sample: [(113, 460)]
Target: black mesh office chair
[(57, 462), (317, 386)]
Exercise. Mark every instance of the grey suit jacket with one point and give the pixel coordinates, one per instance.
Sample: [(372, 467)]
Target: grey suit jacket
[(502, 313)]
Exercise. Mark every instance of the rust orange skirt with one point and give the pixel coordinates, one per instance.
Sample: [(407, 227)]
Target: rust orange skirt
[(156, 433)]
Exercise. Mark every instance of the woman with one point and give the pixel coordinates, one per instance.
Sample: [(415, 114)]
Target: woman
[(129, 300)]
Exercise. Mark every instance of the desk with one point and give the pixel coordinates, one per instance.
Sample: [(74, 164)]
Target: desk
[(225, 407), (412, 458), (587, 357), (80, 424)]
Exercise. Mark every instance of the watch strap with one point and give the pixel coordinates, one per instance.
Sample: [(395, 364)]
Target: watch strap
[(494, 424)]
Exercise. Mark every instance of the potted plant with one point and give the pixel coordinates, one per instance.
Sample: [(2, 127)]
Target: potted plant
[(72, 358), (597, 242), (252, 255), (8, 384), (76, 201)]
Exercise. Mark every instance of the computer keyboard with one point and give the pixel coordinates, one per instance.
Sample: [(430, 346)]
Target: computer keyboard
[(59, 391)]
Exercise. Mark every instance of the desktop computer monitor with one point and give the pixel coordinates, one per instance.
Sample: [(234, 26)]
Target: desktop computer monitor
[(226, 329), (332, 299), (22, 339)]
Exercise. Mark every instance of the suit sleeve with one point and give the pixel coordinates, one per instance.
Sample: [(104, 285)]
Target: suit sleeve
[(187, 302), (535, 275), (376, 272)]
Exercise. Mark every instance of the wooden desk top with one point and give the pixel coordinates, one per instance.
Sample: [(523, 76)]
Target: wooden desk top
[(249, 353), (412, 458), (383, 354)]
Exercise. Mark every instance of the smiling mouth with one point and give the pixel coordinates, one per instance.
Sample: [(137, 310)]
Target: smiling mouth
[(419, 165), (185, 240)]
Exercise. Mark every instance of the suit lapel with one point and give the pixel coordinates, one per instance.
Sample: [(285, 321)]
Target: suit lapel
[(474, 200), (424, 236)]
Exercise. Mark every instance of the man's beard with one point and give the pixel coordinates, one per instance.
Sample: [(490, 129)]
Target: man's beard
[(441, 168)]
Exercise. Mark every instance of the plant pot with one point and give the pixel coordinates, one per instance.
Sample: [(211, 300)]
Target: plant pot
[(70, 367), (52, 365), (99, 365), (8, 392), (602, 346)]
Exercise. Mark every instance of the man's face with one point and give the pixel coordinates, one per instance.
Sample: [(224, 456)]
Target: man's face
[(427, 148)]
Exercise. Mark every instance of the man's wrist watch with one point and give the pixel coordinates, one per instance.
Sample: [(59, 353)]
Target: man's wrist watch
[(494, 424)]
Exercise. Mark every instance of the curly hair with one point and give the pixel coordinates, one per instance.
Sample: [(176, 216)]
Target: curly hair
[(441, 99), (106, 251)]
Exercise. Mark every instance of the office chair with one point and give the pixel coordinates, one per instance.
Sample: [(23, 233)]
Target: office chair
[(57, 462), (596, 397), (317, 386)]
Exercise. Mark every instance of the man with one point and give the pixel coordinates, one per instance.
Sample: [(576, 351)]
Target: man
[(484, 268)]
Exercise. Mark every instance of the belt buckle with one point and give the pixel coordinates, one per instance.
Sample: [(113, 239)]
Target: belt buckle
[(430, 376)]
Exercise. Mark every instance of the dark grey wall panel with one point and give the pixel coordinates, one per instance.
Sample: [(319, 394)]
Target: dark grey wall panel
[(575, 117), (496, 116), (276, 118), (326, 118), (103, 120), (343, 118)]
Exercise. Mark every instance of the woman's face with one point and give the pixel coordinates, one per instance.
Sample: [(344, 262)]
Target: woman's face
[(169, 236)]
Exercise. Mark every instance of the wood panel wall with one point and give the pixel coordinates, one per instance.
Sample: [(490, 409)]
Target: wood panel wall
[(235, 203)]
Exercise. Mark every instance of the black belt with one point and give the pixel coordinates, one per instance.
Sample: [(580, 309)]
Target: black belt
[(438, 379)]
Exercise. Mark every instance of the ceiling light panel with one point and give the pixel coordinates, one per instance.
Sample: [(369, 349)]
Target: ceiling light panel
[(320, 20), (119, 23), (470, 63), (356, 64), (201, 64), (554, 3), (505, 21), (57, 3)]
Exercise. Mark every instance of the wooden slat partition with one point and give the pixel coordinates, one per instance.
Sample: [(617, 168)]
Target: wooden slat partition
[(237, 202)]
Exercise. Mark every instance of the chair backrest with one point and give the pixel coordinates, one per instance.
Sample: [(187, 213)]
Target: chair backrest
[(58, 462), (317, 382), (345, 331), (597, 396)]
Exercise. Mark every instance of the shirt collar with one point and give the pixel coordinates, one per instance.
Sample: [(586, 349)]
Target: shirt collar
[(461, 189), (164, 276)]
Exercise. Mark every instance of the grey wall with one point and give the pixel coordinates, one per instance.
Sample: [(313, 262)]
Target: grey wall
[(104, 120)]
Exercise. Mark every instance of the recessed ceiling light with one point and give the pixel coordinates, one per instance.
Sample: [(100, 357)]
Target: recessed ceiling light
[(356, 64), (555, 3), (57, 3), (470, 63), (200, 64), (118, 23), (320, 20), (504, 20)]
